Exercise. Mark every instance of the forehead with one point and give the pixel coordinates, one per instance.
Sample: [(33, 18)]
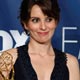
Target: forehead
[(36, 11)]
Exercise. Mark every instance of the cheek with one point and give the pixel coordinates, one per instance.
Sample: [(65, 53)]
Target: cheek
[(52, 26), (32, 27)]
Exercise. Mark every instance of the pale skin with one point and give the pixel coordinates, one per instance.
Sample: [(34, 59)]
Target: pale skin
[(40, 51)]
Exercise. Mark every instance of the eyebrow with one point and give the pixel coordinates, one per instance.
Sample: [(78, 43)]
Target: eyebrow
[(34, 17)]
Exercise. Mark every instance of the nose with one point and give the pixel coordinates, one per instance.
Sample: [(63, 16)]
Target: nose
[(43, 25)]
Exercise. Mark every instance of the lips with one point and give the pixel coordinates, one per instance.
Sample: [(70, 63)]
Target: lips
[(43, 33)]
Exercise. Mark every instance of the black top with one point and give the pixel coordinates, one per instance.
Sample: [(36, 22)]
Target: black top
[(24, 70)]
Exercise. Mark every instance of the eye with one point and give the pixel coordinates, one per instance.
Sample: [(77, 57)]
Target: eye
[(49, 19), (35, 20)]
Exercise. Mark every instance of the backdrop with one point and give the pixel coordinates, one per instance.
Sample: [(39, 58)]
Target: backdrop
[(67, 34)]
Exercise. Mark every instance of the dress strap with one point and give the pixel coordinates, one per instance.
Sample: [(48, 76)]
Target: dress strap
[(24, 64), (60, 69)]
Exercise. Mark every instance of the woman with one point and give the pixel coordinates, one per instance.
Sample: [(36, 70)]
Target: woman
[(38, 60)]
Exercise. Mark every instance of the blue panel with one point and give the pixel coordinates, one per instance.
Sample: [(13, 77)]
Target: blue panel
[(69, 25)]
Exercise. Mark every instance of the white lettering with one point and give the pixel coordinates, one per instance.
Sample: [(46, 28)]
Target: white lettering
[(7, 41), (79, 55), (63, 37), (19, 39)]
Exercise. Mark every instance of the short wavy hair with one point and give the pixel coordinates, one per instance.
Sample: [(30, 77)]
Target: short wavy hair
[(48, 7)]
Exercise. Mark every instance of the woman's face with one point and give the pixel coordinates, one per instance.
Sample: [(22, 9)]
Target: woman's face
[(41, 26)]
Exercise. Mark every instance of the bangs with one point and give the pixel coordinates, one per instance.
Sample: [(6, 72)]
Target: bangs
[(49, 8), (46, 8)]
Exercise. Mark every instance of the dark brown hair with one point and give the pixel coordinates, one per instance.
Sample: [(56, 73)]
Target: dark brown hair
[(48, 7)]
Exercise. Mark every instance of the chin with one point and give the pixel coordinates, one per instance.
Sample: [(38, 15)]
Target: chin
[(43, 42)]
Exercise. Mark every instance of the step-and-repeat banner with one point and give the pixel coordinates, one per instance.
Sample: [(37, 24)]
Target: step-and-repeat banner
[(67, 34)]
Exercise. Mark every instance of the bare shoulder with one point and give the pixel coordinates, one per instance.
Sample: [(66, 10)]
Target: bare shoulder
[(10, 54), (73, 66), (72, 59)]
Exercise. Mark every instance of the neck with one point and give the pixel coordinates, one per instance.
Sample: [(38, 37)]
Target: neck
[(41, 49)]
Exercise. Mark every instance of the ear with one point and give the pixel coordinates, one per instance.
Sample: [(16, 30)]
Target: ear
[(25, 25)]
